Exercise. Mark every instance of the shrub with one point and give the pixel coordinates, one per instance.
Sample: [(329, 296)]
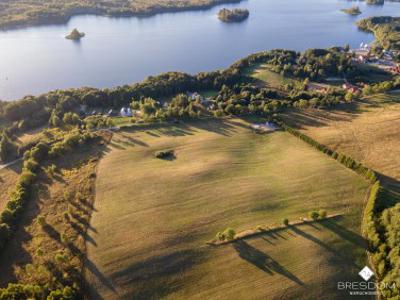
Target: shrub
[(164, 154), (41, 220), (285, 221), (229, 234), (7, 216), (220, 236), (322, 213), (60, 258), (313, 215), (39, 252)]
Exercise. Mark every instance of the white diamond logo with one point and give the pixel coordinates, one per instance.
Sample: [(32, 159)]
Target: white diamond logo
[(366, 273)]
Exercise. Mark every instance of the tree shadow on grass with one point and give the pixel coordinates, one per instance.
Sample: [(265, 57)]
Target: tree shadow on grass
[(92, 268), (151, 278), (344, 233), (263, 261), (221, 127), (324, 245)]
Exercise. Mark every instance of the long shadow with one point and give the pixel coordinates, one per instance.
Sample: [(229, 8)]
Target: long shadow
[(344, 233), (222, 127), (83, 233), (263, 261), (96, 272), (152, 278), (134, 140), (323, 245)]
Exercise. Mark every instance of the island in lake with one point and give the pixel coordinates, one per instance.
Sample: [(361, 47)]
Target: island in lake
[(234, 15), (354, 11), (75, 35)]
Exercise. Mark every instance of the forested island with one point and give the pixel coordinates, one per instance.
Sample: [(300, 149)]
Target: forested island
[(352, 11), (234, 15), (18, 13), (75, 35)]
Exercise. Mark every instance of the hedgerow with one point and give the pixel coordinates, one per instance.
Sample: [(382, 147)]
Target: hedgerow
[(381, 220), (24, 192)]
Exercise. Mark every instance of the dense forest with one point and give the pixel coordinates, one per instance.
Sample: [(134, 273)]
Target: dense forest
[(20, 12)]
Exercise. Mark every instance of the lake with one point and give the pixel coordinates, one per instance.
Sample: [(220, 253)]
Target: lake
[(119, 51)]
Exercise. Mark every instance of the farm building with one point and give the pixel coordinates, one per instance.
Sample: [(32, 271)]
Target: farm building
[(265, 127), (126, 112), (350, 87)]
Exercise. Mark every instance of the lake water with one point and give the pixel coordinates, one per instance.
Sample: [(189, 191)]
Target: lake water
[(119, 51)]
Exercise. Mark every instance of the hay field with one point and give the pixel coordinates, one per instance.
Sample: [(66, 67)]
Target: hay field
[(368, 131), (153, 217)]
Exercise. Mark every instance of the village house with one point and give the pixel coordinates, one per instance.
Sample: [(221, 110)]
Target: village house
[(126, 112), (350, 88)]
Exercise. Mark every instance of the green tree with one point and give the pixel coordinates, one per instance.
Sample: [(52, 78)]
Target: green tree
[(8, 149), (313, 215)]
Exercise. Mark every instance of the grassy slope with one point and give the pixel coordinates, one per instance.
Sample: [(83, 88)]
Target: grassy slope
[(267, 77), (153, 217), (367, 131)]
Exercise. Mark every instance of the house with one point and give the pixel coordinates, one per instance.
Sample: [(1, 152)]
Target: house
[(395, 70), (194, 96), (350, 88), (126, 112)]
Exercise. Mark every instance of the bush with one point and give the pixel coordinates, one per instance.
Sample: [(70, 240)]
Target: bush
[(313, 215), (41, 220), (285, 221), (322, 213), (229, 234), (164, 154)]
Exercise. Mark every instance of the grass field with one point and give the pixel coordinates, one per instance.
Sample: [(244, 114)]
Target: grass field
[(367, 131), (267, 77), (153, 217)]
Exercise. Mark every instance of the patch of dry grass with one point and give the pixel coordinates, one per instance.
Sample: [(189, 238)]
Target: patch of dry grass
[(367, 131), (8, 178), (153, 217), (65, 200)]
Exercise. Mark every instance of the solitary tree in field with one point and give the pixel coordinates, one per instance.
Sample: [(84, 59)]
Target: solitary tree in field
[(313, 215), (322, 213), (229, 234), (285, 221)]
